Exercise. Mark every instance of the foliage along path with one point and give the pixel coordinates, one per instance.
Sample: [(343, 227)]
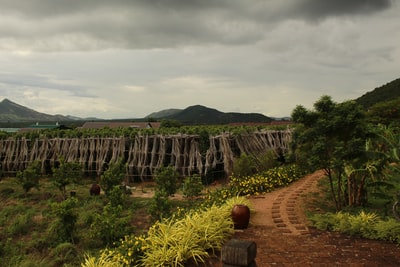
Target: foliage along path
[(279, 227)]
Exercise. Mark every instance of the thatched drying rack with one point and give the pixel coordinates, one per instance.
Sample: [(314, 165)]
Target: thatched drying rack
[(143, 154)]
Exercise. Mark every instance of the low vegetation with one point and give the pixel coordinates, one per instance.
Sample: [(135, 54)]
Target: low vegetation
[(361, 163), (41, 227), (44, 227)]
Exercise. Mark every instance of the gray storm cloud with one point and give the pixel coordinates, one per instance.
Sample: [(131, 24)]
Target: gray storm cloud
[(128, 58), (65, 25), (315, 9)]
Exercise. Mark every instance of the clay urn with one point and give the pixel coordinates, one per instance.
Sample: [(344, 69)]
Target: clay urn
[(240, 216)]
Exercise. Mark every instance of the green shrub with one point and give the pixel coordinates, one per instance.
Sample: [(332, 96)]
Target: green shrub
[(129, 251), (245, 165), (104, 260), (192, 186), (113, 176), (160, 206), (116, 196), (218, 196), (64, 226), (40, 242), (388, 230), (21, 223), (265, 181), (166, 179), (29, 178), (64, 253), (32, 263), (65, 174), (363, 224), (110, 226), (8, 249), (367, 225), (171, 243), (266, 161)]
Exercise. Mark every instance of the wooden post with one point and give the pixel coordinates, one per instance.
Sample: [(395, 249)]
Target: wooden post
[(237, 253)]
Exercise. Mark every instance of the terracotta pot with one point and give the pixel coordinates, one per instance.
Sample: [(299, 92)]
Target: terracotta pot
[(240, 216), (95, 190)]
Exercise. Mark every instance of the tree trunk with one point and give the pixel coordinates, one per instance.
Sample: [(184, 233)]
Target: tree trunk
[(328, 173), (360, 193)]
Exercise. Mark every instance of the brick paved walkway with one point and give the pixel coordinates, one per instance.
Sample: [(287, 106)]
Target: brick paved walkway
[(283, 238)]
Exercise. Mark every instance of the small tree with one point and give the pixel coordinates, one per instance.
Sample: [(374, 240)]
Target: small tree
[(160, 206), (113, 176), (65, 225), (268, 160), (245, 165), (192, 186), (110, 226), (167, 179), (66, 173), (170, 124), (330, 137), (29, 178)]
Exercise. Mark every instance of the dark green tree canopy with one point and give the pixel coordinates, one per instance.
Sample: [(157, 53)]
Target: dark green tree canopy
[(330, 137)]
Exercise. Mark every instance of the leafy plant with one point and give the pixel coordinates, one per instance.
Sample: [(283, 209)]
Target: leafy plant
[(104, 260), (167, 179), (172, 243), (160, 206), (192, 186), (265, 181), (21, 223), (268, 160), (110, 226), (65, 225), (129, 250), (65, 253), (363, 224), (388, 230), (244, 166), (113, 176), (117, 196), (66, 173), (333, 137), (29, 178)]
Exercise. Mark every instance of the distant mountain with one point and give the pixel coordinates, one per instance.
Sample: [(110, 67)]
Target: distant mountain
[(10, 111), (199, 114), (384, 93), (164, 113)]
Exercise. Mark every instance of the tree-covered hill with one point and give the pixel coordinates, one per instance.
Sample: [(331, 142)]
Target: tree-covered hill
[(384, 93), (164, 113), (199, 114), (13, 112)]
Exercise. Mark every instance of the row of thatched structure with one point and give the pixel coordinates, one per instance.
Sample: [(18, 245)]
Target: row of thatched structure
[(143, 155)]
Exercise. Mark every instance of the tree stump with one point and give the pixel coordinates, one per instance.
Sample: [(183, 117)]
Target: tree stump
[(239, 253)]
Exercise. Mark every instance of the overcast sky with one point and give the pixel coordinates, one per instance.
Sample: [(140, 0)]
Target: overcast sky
[(129, 58)]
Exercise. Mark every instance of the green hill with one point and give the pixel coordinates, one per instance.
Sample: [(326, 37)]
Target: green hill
[(203, 115), (387, 92), (13, 112), (164, 113)]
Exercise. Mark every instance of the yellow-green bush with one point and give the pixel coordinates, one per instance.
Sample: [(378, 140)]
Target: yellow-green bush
[(364, 224), (128, 251), (104, 260), (265, 181), (172, 242)]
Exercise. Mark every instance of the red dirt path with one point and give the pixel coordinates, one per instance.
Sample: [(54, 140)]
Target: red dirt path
[(279, 228)]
